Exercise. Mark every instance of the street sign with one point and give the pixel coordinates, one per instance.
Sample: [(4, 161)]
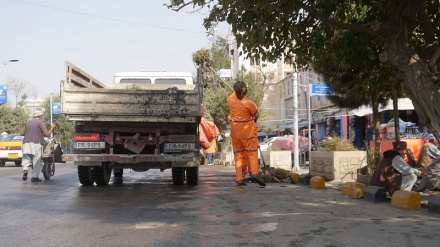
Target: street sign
[(3, 94), (320, 90), (56, 108)]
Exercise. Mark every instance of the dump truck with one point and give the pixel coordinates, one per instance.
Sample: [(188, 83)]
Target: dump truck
[(144, 120)]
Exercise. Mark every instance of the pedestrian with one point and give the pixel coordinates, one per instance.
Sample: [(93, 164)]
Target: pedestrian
[(392, 172), (243, 115), (428, 153), (34, 131), (210, 152)]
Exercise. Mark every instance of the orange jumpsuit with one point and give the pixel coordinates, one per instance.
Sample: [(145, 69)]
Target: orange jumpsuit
[(244, 132)]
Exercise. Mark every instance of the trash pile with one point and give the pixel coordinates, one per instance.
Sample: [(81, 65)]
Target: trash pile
[(275, 175)]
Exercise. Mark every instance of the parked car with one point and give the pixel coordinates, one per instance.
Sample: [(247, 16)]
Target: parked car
[(10, 149), (286, 143), (264, 146)]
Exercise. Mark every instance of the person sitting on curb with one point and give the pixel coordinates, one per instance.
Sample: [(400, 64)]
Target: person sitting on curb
[(428, 153), (430, 183), (392, 172)]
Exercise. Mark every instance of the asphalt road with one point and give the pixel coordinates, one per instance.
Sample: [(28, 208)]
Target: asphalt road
[(147, 210)]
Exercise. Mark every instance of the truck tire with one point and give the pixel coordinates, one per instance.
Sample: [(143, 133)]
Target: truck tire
[(2, 163), (192, 175), (118, 173), (102, 174), (85, 175), (18, 163), (178, 174)]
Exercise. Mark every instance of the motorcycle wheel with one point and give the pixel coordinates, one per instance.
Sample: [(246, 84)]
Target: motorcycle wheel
[(47, 170)]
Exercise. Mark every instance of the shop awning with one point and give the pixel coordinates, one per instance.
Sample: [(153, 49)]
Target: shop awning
[(301, 124), (403, 104)]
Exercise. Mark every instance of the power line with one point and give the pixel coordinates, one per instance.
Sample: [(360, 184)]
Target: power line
[(106, 18)]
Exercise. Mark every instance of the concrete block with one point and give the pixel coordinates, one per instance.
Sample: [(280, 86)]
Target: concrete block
[(434, 204), (406, 199), (317, 182), (295, 177), (304, 179), (374, 194), (353, 190)]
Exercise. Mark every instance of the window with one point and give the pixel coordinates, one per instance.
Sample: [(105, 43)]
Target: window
[(136, 80), (170, 81)]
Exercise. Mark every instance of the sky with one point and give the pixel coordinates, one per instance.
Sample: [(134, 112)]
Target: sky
[(101, 37)]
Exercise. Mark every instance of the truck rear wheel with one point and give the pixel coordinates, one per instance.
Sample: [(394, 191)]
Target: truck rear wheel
[(178, 174), (102, 174), (192, 175), (85, 175)]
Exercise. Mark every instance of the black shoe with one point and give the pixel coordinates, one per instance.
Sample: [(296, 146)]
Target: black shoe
[(257, 180), (25, 173), (35, 180), (242, 183)]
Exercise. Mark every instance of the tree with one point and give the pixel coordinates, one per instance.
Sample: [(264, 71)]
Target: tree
[(217, 89), (408, 30), (12, 119), (356, 83), (18, 88), (64, 128)]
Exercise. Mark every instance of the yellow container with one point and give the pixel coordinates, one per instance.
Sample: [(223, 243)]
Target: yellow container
[(317, 182), (406, 199), (295, 177), (347, 189), (357, 190)]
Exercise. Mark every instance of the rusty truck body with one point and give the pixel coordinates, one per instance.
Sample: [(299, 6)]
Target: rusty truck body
[(138, 126)]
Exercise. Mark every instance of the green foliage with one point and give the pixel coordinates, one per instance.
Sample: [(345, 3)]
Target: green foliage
[(12, 119), (276, 175), (373, 157), (64, 128), (202, 57), (338, 144), (403, 34), (220, 55), (215, 93)]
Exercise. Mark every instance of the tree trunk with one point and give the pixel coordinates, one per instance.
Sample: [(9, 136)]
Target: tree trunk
[(396, 118), (413, 73), (376, 125)]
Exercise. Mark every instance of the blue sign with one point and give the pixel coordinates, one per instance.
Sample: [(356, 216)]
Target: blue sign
[(320, 90), (56, 108), (3, 94)]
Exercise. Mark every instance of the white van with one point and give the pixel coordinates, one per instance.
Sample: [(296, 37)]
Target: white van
[(154, 77)]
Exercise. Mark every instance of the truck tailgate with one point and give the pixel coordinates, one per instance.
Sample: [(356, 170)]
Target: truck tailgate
[(113, 104)]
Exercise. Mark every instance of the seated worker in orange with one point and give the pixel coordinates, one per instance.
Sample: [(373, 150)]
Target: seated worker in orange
[(243, 115)]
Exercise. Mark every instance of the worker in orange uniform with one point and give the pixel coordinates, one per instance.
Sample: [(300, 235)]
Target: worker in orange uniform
[(243, 115)]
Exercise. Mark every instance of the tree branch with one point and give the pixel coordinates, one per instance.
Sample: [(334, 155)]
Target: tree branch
[(368, 28), (426, 24), (434, 58)]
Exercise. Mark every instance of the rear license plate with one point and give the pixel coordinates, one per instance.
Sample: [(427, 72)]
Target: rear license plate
[(13, 156), (179, 146), (90, 145)]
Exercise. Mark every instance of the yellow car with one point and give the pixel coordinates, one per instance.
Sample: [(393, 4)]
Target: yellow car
[(10, 149)]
